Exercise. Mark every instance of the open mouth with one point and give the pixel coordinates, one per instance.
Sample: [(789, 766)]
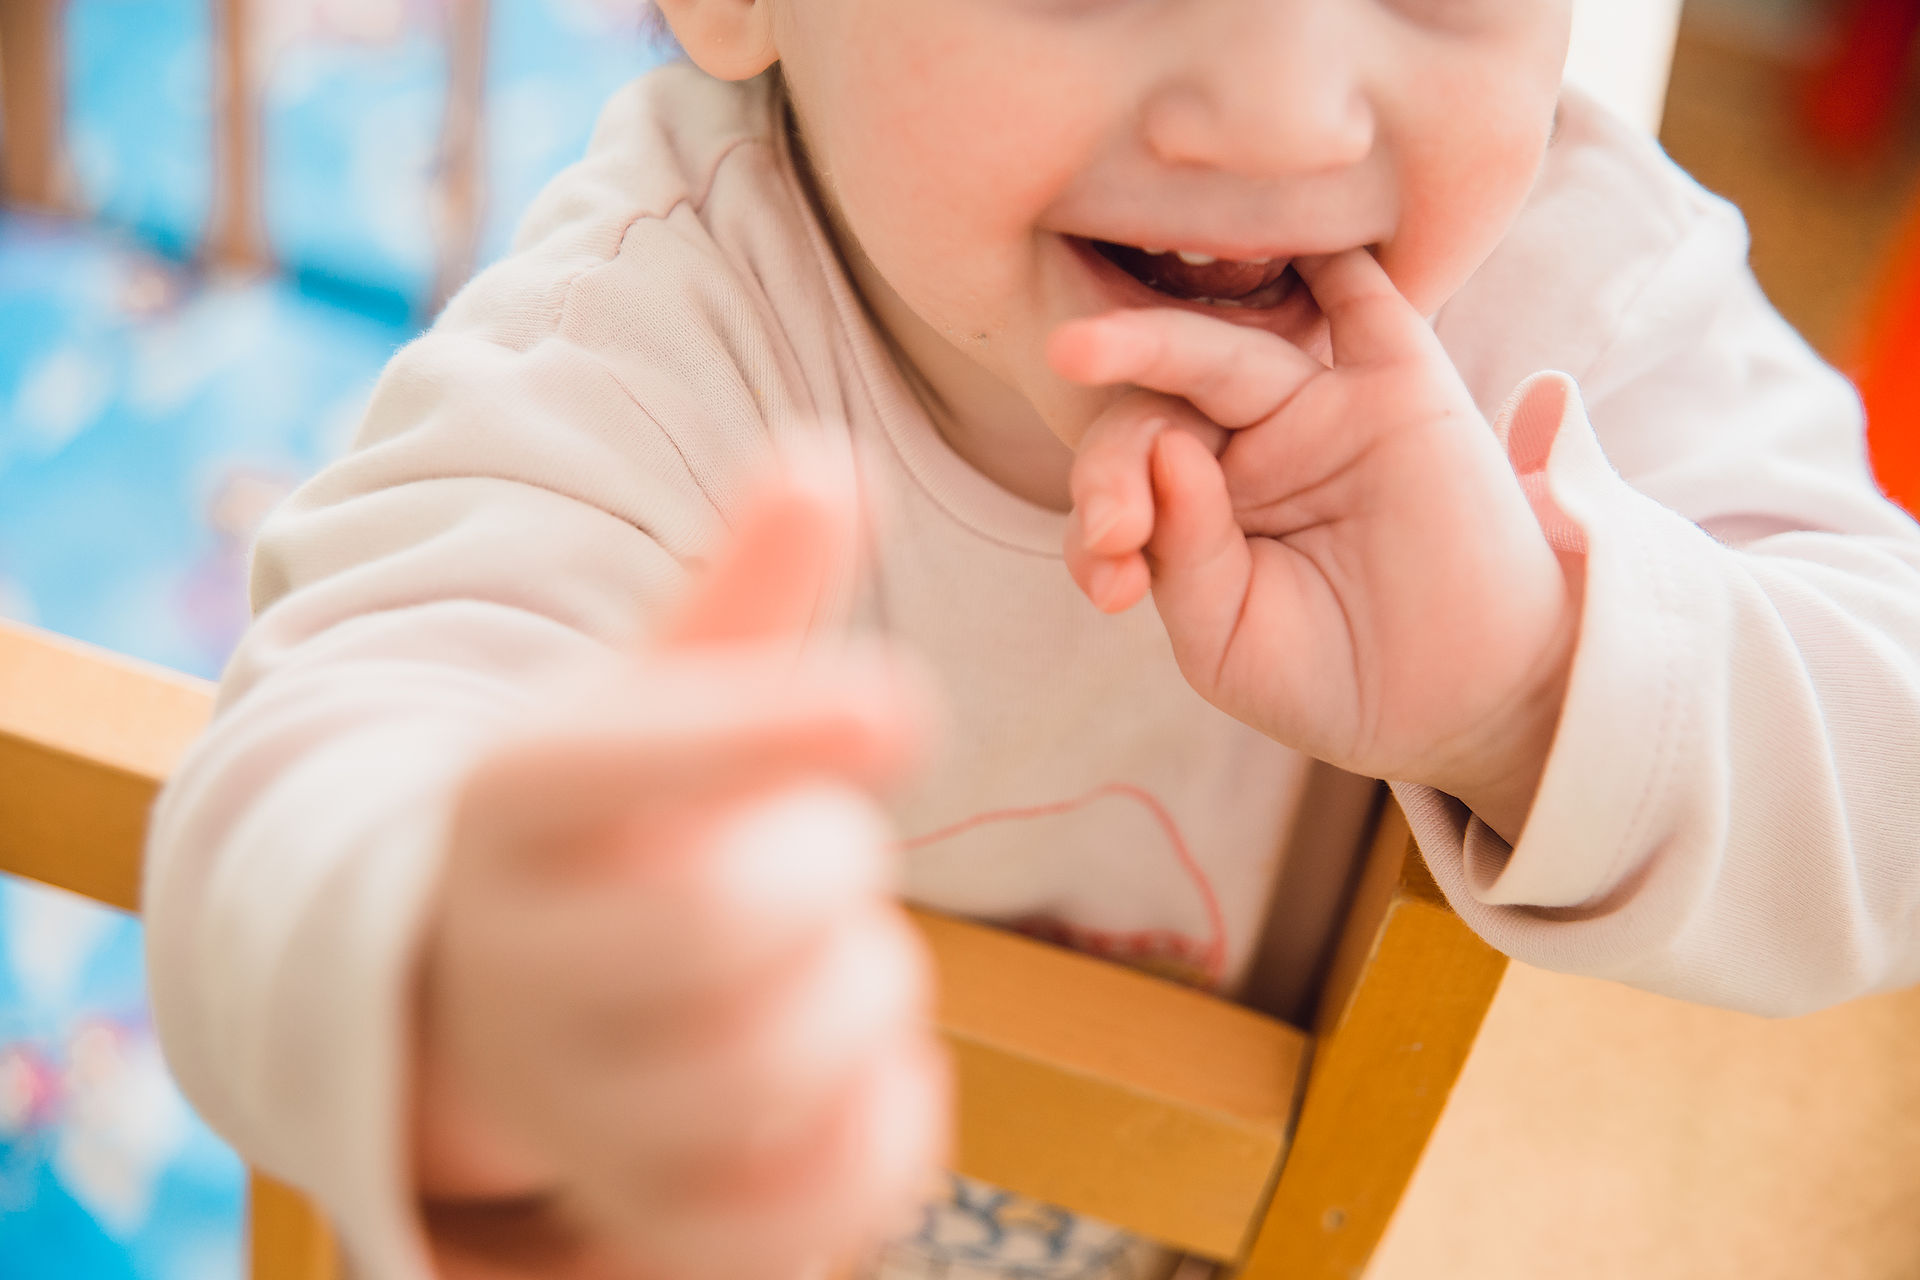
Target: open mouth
[(1199, 277)]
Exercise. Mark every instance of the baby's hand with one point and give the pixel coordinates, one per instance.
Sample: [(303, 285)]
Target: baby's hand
[(667, 994), (1358, 572)]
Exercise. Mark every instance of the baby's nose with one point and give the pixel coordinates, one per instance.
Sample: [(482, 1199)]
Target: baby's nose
[(1262, 89)]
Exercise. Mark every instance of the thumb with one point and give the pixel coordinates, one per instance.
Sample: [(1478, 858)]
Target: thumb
[(790, 555)]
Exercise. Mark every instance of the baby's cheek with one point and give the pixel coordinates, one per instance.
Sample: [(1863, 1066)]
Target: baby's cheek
[(1456, 213), (1463, 174)]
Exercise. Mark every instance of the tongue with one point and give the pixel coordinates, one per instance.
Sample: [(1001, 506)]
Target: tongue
[(1167, 273)]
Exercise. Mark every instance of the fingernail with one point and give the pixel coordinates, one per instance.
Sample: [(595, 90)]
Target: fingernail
[(1098, 515)]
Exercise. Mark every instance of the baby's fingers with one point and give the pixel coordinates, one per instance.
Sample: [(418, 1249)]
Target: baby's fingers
[(729, 903), (693, 732), (1202, 565), (1113, 583), (1234, 374), (866, 1162), (1112, 497), (1370, 322), (1113, 503), (724, 1077), (793, 548)]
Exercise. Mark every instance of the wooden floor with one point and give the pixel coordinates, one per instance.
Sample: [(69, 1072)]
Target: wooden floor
[(1821, 230), (1600, 1132)]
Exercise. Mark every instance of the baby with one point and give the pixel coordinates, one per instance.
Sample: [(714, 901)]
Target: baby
[(531, 899)]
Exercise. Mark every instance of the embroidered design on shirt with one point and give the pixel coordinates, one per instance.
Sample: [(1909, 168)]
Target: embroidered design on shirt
[(1084, 836)]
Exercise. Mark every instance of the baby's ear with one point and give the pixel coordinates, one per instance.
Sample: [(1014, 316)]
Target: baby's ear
[(728, 39)]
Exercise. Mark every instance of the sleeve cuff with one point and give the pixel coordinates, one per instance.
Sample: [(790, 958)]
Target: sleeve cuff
[(1613, 758)]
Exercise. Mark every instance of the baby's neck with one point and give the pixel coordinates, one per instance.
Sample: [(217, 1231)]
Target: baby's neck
[(989, 424)]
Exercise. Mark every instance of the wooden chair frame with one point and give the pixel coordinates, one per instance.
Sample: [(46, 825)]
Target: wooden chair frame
[(1197, 1122)]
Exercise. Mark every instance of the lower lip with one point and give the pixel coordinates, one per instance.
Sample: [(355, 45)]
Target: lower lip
[(1294, 316)]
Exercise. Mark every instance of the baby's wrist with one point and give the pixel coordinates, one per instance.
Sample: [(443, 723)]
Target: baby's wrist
[(1504, 806), (1499, 779), (532, 1236), (460, 1157), (459, 1152)]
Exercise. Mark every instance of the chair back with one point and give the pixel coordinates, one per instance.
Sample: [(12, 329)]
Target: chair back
[(1164, 1111)]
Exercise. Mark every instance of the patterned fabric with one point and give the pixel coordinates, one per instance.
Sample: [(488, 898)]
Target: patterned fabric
[(973, 1231), (551, 66), (149, 418), (354, 96), (104, 1171), (139, 104), (353, 104), (147, 421)]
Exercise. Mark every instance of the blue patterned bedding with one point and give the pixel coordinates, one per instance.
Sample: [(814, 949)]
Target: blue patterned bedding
[(149, 417), (147, 421), (551, 65), (354, 101), (139, 93)]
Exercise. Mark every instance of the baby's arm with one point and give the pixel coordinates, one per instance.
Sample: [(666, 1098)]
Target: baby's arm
[(507, 524), (1724, 808), (667, 996), (1729, 811)]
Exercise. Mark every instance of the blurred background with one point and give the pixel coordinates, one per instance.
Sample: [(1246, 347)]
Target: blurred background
[(221, 218)]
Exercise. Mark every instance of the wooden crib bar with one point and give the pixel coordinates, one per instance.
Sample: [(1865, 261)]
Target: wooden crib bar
[(33, 171), (30, 98)]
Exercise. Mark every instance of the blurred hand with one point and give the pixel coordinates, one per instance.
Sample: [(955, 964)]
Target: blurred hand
[(671, 1019), (1342, 554)]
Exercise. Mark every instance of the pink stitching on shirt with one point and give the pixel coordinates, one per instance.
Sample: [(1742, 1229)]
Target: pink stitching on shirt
[(1211, 958)]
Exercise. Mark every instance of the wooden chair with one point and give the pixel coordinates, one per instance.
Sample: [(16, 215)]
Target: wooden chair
[(1196, 1122), (1277, 1150)]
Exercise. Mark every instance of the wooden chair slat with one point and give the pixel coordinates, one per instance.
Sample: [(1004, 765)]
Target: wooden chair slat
[(1410, 987), (86, 738), (1085, 1085), (286, 1239)]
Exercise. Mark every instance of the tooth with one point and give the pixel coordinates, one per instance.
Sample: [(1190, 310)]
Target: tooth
[(1197, 259), (1155, 252)]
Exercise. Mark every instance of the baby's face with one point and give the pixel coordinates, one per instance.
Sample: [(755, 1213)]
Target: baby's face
[(996, 167)]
